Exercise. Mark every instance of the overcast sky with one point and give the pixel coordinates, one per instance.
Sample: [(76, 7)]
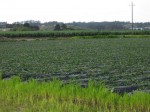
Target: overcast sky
[(74, 10)]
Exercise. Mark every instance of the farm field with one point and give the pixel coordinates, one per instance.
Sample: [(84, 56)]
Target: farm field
[(116, 62)]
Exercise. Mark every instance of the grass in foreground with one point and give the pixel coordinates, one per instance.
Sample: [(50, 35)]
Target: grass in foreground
[(32, 96)]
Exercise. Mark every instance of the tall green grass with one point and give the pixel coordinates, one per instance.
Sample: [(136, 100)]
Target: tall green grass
[(32, 34), (33, 96)]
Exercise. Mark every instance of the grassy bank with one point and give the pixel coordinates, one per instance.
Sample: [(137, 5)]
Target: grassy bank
[(32, 96)]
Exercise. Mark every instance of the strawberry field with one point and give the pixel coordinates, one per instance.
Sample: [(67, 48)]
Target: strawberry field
[(118, 62)]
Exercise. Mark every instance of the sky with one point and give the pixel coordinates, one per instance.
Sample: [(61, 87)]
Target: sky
[(73, 10)]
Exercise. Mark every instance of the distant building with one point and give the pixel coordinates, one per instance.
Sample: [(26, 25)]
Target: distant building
[(146, 28), (136, 28)]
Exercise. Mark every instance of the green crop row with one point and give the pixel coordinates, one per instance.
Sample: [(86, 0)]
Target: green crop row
[(13, 34)]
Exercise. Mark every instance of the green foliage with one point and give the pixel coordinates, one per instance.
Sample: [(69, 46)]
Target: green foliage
[(26, 25), (53, 97), (64, 27), (22, 28), (57, 27), (30, 32)]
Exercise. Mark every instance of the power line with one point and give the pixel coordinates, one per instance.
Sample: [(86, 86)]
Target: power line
[(132, 5)]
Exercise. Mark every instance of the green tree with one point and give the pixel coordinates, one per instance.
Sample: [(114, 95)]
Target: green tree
[(26, 25), (57, 27), (63, 26)]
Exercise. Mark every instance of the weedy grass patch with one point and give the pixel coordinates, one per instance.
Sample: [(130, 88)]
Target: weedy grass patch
[(51, 96)]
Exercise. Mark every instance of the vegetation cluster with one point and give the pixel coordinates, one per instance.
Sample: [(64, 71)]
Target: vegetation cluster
[(53, 97), (70, 33)]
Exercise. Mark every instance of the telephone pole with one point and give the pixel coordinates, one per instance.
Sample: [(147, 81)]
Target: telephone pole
[(132, 5)]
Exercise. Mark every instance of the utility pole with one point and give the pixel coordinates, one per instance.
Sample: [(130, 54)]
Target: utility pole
[(132, 5)]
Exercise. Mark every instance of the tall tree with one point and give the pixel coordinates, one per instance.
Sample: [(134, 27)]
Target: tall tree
[(57, 27), (26, 25), (63, 26)]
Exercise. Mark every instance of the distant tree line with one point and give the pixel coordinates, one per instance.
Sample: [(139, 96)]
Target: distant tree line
[(62, 26), (24, 27), (115, 25), (58, 26)]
